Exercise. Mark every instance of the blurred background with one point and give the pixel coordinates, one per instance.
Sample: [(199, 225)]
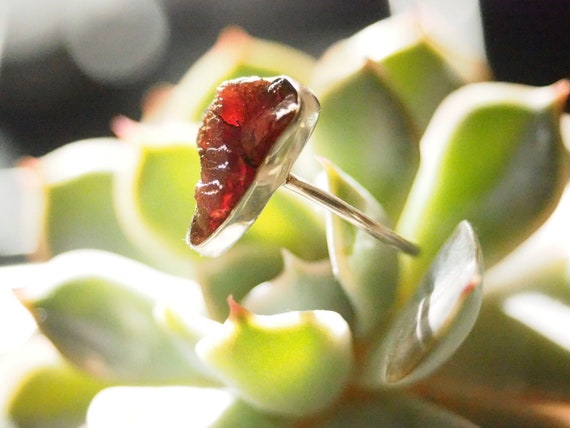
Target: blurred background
[(67, 67)]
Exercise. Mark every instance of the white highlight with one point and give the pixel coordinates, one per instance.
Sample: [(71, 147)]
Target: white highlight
[(543, 314), (158, 407), (17, 323), (20, 216), (450, 19), (116, 40)]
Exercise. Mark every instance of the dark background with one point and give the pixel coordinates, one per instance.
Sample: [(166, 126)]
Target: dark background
[(46, 101)]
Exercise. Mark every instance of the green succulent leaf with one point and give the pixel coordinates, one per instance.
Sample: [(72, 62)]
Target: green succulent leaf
[(394, 411), (186, 328), (432, 325), (235, 54), (406, 51), (98, 309), (174, 406), (235, 273), (492, 155), (374, 106), (302, 286), (513, 368), (519, 348), (366, 268), (155, 199), (289, 222), (294, 364), (78, 181), (53, 396), (285, 223), (364, 129)]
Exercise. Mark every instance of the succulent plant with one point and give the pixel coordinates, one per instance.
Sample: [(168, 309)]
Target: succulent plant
[(308, 320)]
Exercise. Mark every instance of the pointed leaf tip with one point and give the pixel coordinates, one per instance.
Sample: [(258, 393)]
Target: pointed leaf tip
[(562, 88), (237, 312), (434, 323), (474, 166), (98, 309), (301, 286), (366, 268), (294, 363)]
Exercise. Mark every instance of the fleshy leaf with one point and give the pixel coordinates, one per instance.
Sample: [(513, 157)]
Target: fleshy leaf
[(235, 54), (366, 268), (17, 366), (155, 199), (53, 396), (434, 323), (515, 364), (374, 106), (505, 180), (301, 286), (509, 372), (155, 202), (97, 309), (295, 363), (78, 181), (174, 406), (186, 328), (235, 273), (406, 49), (393, 411), (288, 221), (365, 131)]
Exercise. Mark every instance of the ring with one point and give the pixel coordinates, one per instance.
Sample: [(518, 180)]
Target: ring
[(251, 135)]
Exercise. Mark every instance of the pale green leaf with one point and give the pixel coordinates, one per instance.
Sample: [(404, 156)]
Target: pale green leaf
[(155, 198), (492, 155), (98, 310), (520, 344), (407, 50), (366, 268), (434, 323), (78, 181), (301, 286), (394, 411), (295, 363), (235, 54), (235, 273), (365, 131), (55, 396), (375, 107)]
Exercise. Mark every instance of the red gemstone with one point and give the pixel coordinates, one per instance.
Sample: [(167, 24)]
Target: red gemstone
[(238, 130)]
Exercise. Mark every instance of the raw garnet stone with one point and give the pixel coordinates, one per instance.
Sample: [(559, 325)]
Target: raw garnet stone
[(238, 130)]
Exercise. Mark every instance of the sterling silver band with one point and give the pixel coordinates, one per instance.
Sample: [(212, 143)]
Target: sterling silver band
[(350, 214)]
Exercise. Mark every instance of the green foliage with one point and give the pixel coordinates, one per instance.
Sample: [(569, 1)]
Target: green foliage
[(60, 395), (366, 268), (293, 363), (325, 326), (472, 168)]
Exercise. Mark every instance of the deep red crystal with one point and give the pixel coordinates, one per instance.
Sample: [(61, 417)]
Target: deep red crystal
[(238, 130)]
